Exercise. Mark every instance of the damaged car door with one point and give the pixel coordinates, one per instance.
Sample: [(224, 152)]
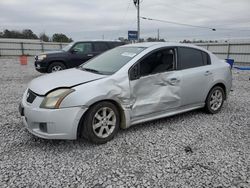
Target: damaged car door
[(154, 83)]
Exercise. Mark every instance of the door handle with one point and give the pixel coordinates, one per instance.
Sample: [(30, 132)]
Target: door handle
[(173, 81), (207, 73), (90, 55), (160, 84)]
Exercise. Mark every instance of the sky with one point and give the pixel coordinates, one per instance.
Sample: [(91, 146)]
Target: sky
[(95, 19)]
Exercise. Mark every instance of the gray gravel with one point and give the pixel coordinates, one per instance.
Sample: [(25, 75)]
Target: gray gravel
[(188, 150)]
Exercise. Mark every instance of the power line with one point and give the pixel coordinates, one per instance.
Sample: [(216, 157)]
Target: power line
[(196, 26), (177, 23)]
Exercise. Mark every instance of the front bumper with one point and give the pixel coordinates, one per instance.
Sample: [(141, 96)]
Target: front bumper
[(51, 123), (41, 66)]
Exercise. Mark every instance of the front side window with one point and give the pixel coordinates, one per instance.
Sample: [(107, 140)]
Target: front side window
[(83, 48), (66, 48), (112, 60), (190, 58), (157, 62)]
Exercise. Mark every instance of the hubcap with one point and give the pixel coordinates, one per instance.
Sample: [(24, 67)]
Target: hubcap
[(104, 122), (216, 100), (56, 68)]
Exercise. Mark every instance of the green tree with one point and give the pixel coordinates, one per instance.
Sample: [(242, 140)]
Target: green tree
[(59, 37), (44, 37), (25, 34), (28, 34), (11, 34), (150, 39)]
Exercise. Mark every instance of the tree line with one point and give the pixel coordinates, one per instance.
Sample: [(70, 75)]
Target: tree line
[(60, 37), (29, 34), (199, 41), (149, 39)]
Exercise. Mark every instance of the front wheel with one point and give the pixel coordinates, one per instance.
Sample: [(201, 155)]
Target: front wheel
[(55, 67), (101, 123), (215, 99)]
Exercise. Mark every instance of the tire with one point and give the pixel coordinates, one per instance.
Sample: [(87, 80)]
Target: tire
[(55, 67), (99, 128), (215, 100)]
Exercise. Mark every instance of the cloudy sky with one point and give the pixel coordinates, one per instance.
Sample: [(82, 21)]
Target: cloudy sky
[(82, 19)]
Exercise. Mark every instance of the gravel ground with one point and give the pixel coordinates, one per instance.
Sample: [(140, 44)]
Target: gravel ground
[(188, 150)]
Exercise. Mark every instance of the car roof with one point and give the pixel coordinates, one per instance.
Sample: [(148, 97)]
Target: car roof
[(164, 44), (145, 44), (99, 41)]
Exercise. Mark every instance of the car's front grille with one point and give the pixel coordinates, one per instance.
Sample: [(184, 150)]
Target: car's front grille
[(31, 96)]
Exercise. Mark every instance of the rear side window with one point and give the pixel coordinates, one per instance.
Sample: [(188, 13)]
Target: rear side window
[(100, 47), (190, 58), (206, 58)]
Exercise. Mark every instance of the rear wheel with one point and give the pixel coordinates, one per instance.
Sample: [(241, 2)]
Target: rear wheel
[(215, 100), (101, 123), (56, 66)]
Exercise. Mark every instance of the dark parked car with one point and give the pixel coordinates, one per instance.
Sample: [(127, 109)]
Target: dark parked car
[(72, 55)]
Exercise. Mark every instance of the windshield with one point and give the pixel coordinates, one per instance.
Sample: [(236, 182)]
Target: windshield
[(112, 60), (66, 48)]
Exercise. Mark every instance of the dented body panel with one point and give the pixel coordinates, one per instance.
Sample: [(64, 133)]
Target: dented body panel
[(153, 94)]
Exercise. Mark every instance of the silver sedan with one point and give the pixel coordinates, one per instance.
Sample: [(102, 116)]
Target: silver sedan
[(123, 87)]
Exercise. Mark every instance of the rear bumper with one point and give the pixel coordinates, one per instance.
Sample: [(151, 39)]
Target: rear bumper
[(52, 124)]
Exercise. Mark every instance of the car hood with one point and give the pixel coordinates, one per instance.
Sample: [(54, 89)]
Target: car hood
[(67, 78), (53, 52)]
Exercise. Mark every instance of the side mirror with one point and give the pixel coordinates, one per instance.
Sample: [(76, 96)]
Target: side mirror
[(73, 51), (134, 73)]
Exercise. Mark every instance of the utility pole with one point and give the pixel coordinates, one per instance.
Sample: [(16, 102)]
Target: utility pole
[(158, 34), (137, 4), (138, 19)]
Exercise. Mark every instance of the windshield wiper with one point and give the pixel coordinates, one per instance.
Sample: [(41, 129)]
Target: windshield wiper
[(91, 70)]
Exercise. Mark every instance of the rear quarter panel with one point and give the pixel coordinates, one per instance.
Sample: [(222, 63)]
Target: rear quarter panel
[(222, 73)]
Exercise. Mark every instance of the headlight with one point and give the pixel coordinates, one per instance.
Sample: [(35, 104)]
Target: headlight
[(54, 98), (41, 57)]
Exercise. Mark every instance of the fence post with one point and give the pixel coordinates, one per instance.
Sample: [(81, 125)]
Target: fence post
[(42, 46), (22, 49), (228, 50), (61, 45)]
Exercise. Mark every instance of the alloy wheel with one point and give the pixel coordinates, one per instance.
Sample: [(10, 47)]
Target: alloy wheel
[(104, 122), (56, 68), (216, 99)]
